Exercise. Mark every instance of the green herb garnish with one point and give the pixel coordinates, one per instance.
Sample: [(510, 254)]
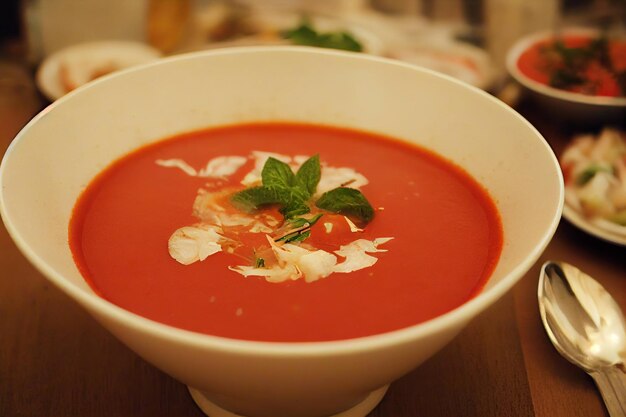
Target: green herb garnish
[(259, 263), (588, 173), (281, 187), (305, 34), (568, 66), (293, 194), (297, 229), (309, 174), (347, 201), (566, 78)]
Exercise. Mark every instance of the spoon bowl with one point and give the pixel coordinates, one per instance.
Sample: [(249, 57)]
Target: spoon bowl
[(587, 327)]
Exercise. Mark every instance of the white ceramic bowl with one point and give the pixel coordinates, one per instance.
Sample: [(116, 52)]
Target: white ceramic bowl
[(572, 107), (63, 148)]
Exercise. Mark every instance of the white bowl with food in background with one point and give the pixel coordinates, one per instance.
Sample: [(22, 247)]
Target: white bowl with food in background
[(564, 93)]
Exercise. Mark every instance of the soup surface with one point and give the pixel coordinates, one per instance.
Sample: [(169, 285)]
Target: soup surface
[(431, 244)]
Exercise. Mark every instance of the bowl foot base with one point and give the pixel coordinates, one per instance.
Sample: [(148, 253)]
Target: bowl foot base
[(360, 410)]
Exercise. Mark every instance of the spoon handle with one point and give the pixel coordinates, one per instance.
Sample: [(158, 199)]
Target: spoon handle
[(612, 384)]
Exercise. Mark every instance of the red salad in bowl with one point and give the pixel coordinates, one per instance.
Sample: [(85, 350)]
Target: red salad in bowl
[(576, 74), (591, 65)]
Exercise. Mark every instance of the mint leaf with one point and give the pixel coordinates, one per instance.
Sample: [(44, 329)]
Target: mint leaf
[(295, 227), (347, 201), (295, 208), (309, 174), (277, 174), (292, 192), (254, 198), (294, 202), (282, 187)]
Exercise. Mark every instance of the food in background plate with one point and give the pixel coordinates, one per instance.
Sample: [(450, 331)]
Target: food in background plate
[(70, 80), (456, 59), (285, 232), (223, 25), (584, 64), (305, 34), (76, 65), (594, 169)]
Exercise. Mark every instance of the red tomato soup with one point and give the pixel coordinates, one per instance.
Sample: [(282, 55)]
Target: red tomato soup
[(446, 236), (580, 64)]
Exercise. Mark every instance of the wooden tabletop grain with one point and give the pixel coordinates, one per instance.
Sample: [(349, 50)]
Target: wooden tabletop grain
[(55, 360)]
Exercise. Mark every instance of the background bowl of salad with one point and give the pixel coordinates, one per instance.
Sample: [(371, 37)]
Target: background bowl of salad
[(576, 74)]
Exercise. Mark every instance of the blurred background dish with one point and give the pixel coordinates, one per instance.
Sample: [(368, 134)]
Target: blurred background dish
[(594, 171), (460, 60), (445, 37), (580, 221), (71, 67), (221, 26), (576, 74), (404, 37)]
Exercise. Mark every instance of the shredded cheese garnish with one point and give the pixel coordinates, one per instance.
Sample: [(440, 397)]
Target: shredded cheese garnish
[(288, 261), (178, 163), (293, 262), (194, 243), (352, 226), (259, 227), (356, 254), (220, 167), (333, 177)]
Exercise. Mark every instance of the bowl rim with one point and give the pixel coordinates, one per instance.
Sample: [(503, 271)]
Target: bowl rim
[(522, 44), (459, 315)]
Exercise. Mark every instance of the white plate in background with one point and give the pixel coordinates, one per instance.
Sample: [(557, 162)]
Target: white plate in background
[(460, 60), (584, 224), (71, 67)]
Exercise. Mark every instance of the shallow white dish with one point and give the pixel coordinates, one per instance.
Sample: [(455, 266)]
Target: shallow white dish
[(76, 65), (456, 59), (573, 107), (54, 157), (580, 221)]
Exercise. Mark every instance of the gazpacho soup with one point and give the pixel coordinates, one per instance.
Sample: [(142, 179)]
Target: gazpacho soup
[(285, 232)]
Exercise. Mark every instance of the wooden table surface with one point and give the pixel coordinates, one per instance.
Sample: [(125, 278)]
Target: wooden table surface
[(55, 360)]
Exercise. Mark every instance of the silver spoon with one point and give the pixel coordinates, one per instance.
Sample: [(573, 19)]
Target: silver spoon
[(587, 327)]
